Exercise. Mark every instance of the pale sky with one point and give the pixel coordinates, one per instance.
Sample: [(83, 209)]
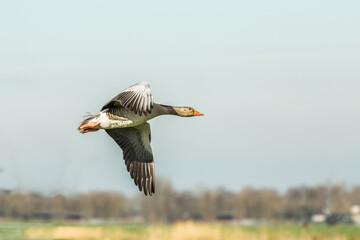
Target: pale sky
[(278, 82)]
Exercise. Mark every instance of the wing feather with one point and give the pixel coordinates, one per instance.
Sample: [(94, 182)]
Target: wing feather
[(136, 98), (137, 153)]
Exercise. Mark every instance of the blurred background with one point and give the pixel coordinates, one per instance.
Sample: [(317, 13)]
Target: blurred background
[(278, 82)]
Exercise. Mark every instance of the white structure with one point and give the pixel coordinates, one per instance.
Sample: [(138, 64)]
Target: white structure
[(355, 214), (318, 218)]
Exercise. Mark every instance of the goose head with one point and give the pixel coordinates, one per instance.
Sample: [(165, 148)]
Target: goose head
[(187, 112)]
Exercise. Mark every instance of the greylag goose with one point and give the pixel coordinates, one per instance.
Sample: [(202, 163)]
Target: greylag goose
[(125, 118)]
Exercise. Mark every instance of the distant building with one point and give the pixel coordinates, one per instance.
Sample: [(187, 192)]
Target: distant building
[(318, 218), (352, 217), (355, 214)]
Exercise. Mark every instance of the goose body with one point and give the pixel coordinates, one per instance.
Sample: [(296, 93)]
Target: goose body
[(125, 118)]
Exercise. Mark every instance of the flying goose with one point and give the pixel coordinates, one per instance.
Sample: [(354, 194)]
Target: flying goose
[(125, 118)]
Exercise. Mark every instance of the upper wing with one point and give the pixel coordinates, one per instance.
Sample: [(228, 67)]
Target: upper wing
[(136, 98), (135, 143)]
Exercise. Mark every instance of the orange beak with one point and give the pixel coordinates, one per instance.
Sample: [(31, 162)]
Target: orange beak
[(196, 113)]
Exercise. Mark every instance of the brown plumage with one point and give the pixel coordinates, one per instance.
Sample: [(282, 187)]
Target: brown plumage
[(125, 118)]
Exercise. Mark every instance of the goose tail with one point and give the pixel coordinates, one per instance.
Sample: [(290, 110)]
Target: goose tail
[(88, 117)]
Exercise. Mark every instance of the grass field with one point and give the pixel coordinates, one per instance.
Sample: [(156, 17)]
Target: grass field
[(177, 231)]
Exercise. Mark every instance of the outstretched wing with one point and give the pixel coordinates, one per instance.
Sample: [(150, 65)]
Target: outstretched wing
[(137, 98), (135, 143)]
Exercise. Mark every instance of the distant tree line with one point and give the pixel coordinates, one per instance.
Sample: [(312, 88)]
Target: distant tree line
[(169, 205)]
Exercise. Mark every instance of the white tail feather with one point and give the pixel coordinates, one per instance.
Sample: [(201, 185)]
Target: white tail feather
[(89, 114)]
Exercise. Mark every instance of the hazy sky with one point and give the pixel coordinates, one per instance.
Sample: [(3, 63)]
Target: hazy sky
[(278, 82)]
